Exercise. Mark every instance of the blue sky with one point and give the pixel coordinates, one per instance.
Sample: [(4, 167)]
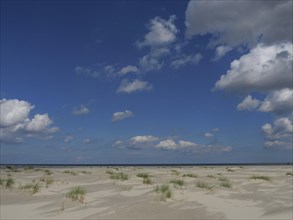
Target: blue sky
[(146, 81)]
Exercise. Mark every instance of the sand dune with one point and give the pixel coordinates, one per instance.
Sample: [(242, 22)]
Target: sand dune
[(204, 193)]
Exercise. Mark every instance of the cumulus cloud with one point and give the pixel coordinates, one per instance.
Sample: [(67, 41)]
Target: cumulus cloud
[(87, 140), (207, 134), (80, 110), (167, 144), (16, 126), (264, 68), (128, 69), (188, 146), (184, 60), (279, 134), (161, 32), (154, 59), (221, 51), (279, 102), (143, 139), (87, 71), (248, 104), (128, 86), (239, 22), (117, 116), (68, 139), (14, 111)]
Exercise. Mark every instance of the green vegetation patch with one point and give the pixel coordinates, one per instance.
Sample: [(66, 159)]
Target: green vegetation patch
[(165, 192), (119, 176), (190, 175), (257, 177), (76, 194), (177, 183), (204, 185)]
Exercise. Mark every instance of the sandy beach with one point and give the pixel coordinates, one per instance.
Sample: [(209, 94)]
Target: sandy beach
[(235, 192)]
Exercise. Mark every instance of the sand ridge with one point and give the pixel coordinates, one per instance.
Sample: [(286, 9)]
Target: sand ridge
[(197, 192)]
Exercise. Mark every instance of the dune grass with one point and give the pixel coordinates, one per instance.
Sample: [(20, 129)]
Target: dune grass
[(190, 175), (259, 177), (226, 184), (76, 194), (223, 179), (143, 175), (146, 178), (110, 172), (165, 192), (204, 185), (7, 183), (47, 180), (119, 176), (289, 174), (177, 183), (70, 172), (32, 187), (175, 172), (48, 172), (211, 176)]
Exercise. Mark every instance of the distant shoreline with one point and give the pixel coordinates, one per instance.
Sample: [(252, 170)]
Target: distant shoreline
[(147, 165)]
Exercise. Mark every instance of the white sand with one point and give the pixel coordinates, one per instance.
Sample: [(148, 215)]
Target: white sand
[(106, 198)]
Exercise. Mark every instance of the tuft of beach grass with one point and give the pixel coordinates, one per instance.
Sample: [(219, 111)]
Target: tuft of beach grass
[(177, 183), (190, 175), (32, 187), (259, 177), (165, 192), (76, 194), (119, 176), (204, 185)]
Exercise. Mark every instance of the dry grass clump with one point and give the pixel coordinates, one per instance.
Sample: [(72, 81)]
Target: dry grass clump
[(226, 184), (146, 178), (48, 172), (204, 185), (190, 175), (289, 174), (119, 176), (175, 172), (223, 179), (32, 187), (76, 194), (165, 192), (258, 177), (178, 183), (47, 180), (211, 176), (7, 183), (70, 172)]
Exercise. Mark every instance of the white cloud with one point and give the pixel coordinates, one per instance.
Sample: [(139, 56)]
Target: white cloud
[(117, 116), (248, 104), (279, 134), (87, 140), (143, 139), (153, 60), (265, 68), (87, 71), (207, 134), (215, 129), (161, 32), (16, 126), (149, 141), (127, 86), (128, 69), (14, 111), (167, 144), (80, 110), (279, 102), (184, 60), (186, 144), (221, 51), (68, 139), (239, 22)]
